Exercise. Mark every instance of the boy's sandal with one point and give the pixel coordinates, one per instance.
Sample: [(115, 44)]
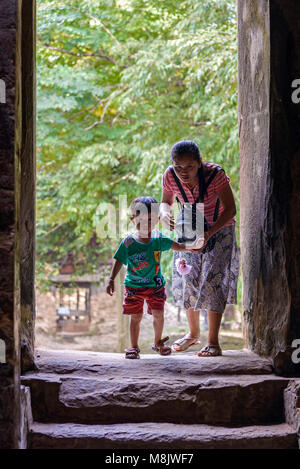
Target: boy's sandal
[(210, 351), (185, 343), (132, 353), (161, 348)]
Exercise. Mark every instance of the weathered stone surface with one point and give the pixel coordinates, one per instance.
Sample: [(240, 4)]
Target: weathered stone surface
[(292, 405), (17, 199), (26, 420), (28, 186), (269, 38), (161, 436), (95, 387), (17, 133), (241, 362), (283, 363), (7, 73), (269, 122), (242, 400)]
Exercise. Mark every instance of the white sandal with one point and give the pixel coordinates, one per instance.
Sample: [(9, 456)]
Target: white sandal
[(184, 344)]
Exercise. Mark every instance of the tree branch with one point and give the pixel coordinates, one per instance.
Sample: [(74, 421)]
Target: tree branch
[(123, 178), (52, 229), (80, 54), (193, 124), (113, 95), (99, 23)]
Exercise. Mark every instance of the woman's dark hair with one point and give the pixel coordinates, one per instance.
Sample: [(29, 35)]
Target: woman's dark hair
[(188, 147), (185, 147), (144, 200)]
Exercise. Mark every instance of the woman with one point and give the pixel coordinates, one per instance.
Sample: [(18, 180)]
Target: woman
[(212, 282)]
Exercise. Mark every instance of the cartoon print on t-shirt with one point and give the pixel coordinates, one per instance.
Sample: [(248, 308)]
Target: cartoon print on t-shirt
[(157, 255), (139, 257), (137, 279)]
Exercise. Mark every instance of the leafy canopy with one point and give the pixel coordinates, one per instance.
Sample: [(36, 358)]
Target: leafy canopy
[(118, 83)]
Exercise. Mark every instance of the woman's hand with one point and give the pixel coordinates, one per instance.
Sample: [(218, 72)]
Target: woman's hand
[(166, 216)]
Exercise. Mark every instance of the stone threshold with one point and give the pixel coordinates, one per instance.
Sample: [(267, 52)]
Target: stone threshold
[(232, 362)]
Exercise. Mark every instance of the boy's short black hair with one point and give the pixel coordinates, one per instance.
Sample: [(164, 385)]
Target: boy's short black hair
[(147, 201)]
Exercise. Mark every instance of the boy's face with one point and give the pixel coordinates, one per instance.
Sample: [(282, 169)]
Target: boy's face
[(145, 222)]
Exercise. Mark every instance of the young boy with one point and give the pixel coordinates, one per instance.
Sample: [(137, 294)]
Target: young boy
[(140, 252)]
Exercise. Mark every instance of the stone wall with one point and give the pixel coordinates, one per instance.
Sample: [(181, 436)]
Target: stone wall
[(269, 122), (8, 20), (16, 214), (269, 39), (28, 185)]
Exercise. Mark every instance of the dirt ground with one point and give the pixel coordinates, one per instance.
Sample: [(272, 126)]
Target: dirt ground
[(102, 335)]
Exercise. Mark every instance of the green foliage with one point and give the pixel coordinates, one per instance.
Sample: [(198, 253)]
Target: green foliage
[(119, 82)]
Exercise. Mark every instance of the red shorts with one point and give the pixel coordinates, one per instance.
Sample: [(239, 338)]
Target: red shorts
[(134, 299)]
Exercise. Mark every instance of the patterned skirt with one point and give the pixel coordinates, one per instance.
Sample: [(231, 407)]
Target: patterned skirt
[(212, 281)]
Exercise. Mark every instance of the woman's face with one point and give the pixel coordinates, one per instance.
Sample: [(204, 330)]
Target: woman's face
[(186, 168)]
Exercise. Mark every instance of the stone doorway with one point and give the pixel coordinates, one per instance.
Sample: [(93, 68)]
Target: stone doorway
[(269, 148)]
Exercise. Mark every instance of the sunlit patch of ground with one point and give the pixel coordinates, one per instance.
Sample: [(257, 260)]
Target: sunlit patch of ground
[(103, 331)]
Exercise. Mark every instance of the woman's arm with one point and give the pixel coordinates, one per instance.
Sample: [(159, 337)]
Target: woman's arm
[(227, 199), (165, 210), (228, 202)]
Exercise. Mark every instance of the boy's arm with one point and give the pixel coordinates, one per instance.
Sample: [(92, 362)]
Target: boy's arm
[(179, 247), (190, 247), (111, 281)]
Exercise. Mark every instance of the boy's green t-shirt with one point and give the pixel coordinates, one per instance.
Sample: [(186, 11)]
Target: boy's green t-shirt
[(143, 260)]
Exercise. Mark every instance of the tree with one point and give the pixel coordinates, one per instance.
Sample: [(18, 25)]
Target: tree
[(119, 82)]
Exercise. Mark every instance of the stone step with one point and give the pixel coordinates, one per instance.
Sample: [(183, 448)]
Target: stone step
[(232, 362), (156, 436), (214, 400)]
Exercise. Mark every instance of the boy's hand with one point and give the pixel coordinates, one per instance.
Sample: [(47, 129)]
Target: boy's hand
[(110, 287), (198, 244), (200, 241)]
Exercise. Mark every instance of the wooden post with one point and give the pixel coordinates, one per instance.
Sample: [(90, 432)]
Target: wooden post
[(122, 319)]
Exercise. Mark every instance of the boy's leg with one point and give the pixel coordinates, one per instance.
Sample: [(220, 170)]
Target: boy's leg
[(135, 321), (155, 299), (158, 325), (133, 304)]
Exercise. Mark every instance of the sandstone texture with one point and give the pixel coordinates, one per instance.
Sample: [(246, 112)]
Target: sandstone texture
[(161, 436), (98, 400), (7, 210), (269, 122)]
